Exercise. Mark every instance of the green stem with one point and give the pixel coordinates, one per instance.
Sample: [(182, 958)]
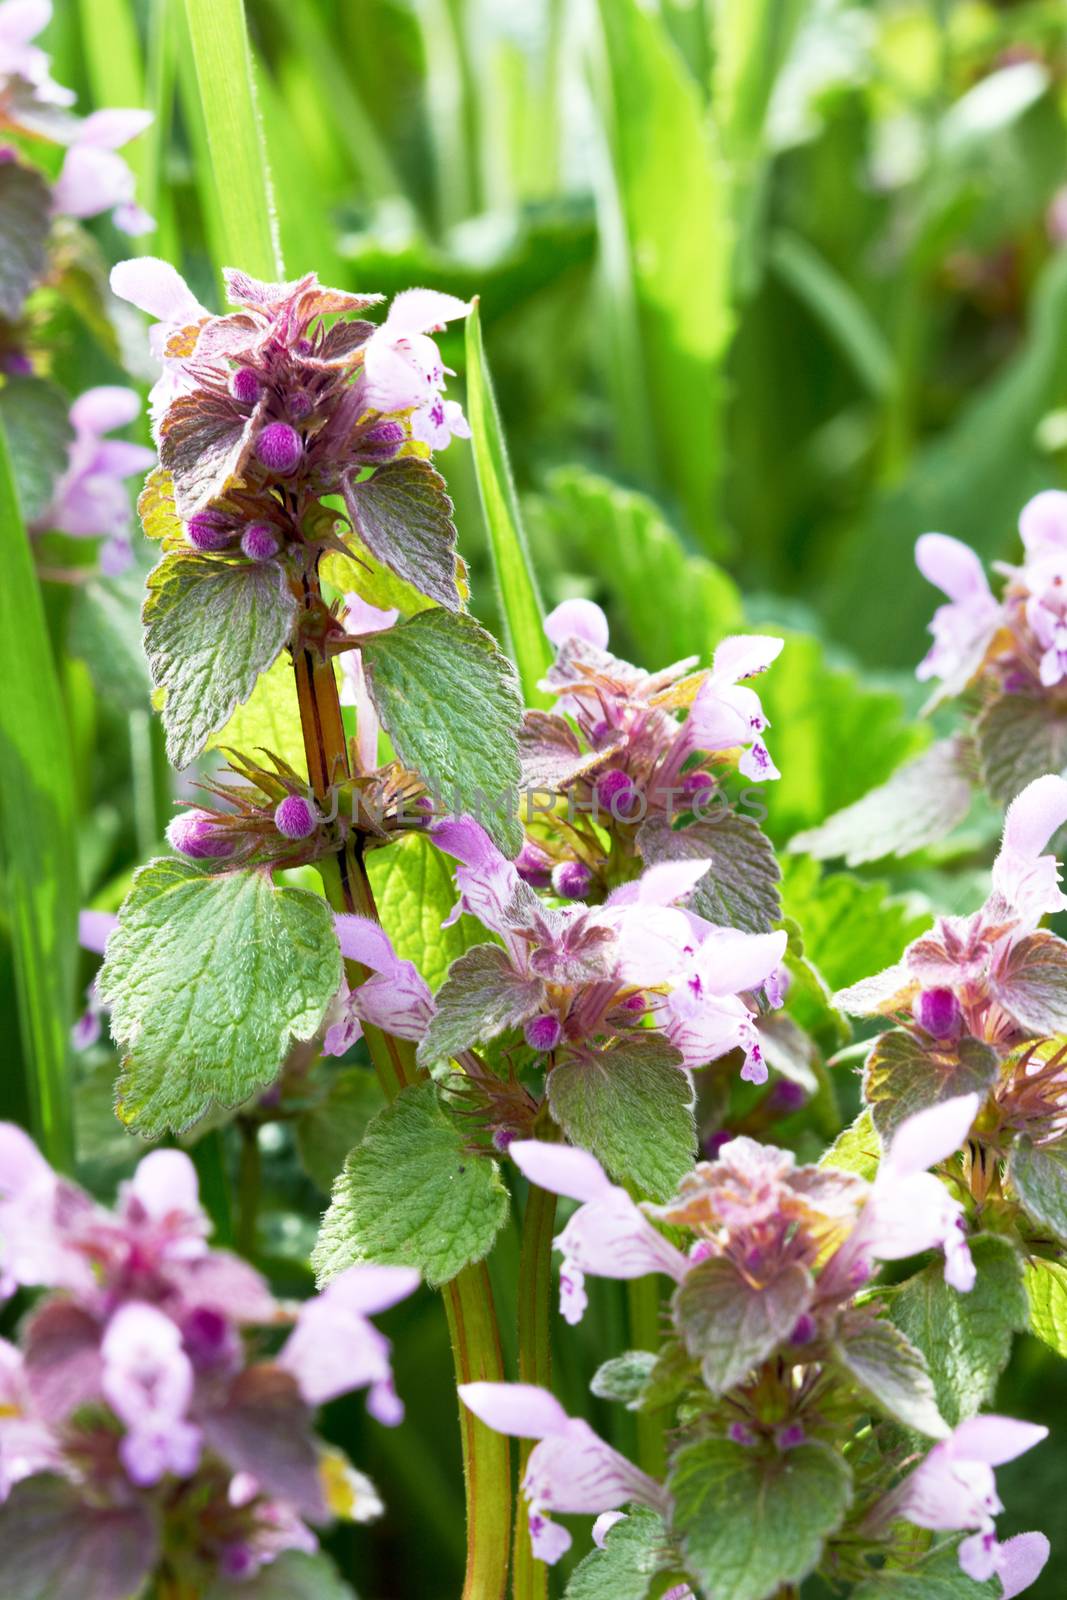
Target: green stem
[(249, 1185), (642, 1297), (530, 1577), (472, 1326)]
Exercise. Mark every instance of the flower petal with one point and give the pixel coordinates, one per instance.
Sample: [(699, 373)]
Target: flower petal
[(578, 619), (930, 1136), (560, 1169), (1022, 1559), (950, 565), (158, 288), (522, 1409)]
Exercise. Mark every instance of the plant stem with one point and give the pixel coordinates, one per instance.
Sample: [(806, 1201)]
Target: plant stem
[(468, 1299), (642, 1298), (249, 1184), (530, 1577)]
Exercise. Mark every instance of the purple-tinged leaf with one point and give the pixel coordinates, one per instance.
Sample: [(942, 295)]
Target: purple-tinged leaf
[(53, 1546), (265, 1429), (1020, 738), (206, 440), (902, 1077), (481, 997), (740, 889), (921, 803), (551, 755), (730, 1323), (1031, 984), (404, 517), (63, 1369), (25, 221)]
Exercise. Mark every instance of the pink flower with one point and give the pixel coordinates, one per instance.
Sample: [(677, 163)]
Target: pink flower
[(91, 499), (726, 712), (704, 1015), (94, 178), (20, 22), (1043, 522), (577, 619), (954, 1488), (404, 370), (964, 628), (156, 287), (608, 1235), (361, 617), (148, 1383), (1026, 879), (395, 997), (334, 1348), (569, 1470)]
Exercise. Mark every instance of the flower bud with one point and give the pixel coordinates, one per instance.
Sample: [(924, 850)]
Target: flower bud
[(279, 448), (571, 879), (786, 1097), (740, 1433), (614, 792), (803, 1329), (296, 818), (209, 531), (381, 442), (937, 1011), (259, 541), (533, 865), (299, 404), (194, 834), (543, 1032), (244, 385), (789, 1437), (697, 786)]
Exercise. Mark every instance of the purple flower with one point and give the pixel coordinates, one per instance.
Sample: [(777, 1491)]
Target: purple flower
[(91, 499), (404, 369), (296, 818), (20, 23), (361, 617), (954, 1488), (94, 178), (156, 287), (704, 1015), (195, 835), (962, 630), (570, 1469), (608, 1235), (1025, 878), (334, 1348), (724, 704), (395, 997), (578, 619), (148, 1383)]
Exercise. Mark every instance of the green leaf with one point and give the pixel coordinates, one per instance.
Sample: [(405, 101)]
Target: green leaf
[(450, 703), (1046, 1288), (269, 719), (415, 892), (105, 631), (851, 926), (482, 996), (1019, 739), (966, 1338), (676, 278), (1039, 1176), (921, 803), (25, 220), (632, 1106), (832, 301), (404, 517), (334, 1125), (238, 159), (412, 1194), (672, 603), (892, 1373), (520, 599), (624, 1377), (34, 417), (901, 1077), (740, 888), (37, 811), (857, 1148), (208, 979), (733, 1325), (635, 1550), (936, 1577), (749, 1522), (210, 630)]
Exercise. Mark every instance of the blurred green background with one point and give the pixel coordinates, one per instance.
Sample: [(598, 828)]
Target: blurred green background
[(769, 287)]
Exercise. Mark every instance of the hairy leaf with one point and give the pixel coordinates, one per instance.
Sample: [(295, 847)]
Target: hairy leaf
[(1019, 739), (731, 1324), (856, 1149), (902, 1077), (749, 1521), (264, 1427), (156, 509), (404, 517), (1039, 1175), (632, 1106), (415, 892), (740, 888), (482, 996), (206, 440), (208, 979), (966, 1338), (412, 1194), (58, 1547), (624, 1377), (635, 1550), (1046, 1288), (937, 1576), (34, 417), (892, 1372), (25, 220), (1031, 983), (920, 803), (210, 630), (450, 703)]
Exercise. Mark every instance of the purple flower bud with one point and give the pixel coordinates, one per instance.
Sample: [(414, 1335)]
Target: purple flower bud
[(209, 530), (543, 1032), (194, 834), (17, 364), (715, 1141), (259, 541), (571, 879), (244, 386), (237, 1561), (938, 1012), (381, 442), (299, 404), (790, 1436), (635, 1002), (208, 1339), (698, 785), (533, 865), (503, 1138), (279, 448), (305, 347), (741, 1433), (615, 792), (786, 1097), (296, 818), (700, 1251), (803, 1329)]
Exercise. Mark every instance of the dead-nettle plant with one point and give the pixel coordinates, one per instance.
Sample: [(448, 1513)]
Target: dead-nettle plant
[(613, 995)]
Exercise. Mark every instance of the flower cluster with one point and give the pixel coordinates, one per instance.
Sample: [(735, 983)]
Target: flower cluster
[(136, 1404), (91, 500)]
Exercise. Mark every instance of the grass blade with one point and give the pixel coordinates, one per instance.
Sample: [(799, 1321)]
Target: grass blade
[(834, 303), (235, 139), (37, 812), (519, 598)]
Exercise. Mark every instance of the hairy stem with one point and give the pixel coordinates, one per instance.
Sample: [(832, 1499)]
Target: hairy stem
[(642, 1298), (468, 1299), (529, 1576), (249, 1184)]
